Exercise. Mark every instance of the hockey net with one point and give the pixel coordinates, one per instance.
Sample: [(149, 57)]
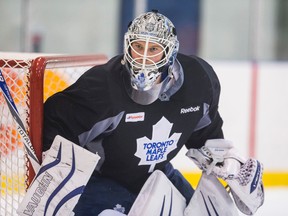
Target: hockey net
[(31, 79)]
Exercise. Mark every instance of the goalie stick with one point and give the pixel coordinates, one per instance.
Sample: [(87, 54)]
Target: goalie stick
[(20, 126), (49, 193)]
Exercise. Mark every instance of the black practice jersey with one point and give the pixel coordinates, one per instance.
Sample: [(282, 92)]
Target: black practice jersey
[(132, 139)]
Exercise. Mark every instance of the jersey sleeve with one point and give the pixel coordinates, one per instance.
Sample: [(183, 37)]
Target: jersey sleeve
[(57, 110), (74, 110), (212, 129)]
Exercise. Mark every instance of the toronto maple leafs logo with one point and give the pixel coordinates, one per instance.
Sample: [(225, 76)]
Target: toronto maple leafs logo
[(156, 150)]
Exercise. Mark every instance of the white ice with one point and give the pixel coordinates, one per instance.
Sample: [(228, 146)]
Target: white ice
[(275, 203)]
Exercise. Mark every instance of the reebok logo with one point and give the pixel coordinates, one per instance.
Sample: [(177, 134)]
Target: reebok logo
[(190, 109)]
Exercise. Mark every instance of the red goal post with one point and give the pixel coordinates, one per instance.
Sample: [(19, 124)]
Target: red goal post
[(38, 68), (31, 79)]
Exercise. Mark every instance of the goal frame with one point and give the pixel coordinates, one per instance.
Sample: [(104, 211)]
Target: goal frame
[(36, 92), (36, 84)]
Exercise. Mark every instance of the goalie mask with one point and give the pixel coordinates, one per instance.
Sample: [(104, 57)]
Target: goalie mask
[(150, 49)]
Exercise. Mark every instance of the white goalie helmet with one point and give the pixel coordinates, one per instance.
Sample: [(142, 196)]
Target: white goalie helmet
[(149, 30)]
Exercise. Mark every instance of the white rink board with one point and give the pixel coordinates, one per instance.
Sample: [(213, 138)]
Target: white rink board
[(272, 124), (271, 114)]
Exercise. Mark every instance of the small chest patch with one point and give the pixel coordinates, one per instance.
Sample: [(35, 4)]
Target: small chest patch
[(135, 117)]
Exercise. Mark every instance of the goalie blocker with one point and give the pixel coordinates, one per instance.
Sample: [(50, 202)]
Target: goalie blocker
[(60, 181)]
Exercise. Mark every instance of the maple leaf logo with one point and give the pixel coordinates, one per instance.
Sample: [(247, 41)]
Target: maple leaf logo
[(156, 150)]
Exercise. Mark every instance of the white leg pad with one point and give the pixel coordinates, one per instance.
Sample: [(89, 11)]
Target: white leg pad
[(211, 198), (157, 197), (110, 212)]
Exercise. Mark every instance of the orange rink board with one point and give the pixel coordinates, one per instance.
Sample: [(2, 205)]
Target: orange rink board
[(270, 178)]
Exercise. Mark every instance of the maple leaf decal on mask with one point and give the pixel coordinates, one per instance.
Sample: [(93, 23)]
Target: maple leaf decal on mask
[(156, 150)]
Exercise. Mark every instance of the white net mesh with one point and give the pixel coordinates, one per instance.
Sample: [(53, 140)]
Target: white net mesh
[(58, 73), (13, 163)]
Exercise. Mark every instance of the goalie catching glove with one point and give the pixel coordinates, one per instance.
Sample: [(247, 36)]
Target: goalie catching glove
[(244, 176)]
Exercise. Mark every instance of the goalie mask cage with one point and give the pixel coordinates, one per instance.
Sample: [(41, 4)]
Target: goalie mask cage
[(31, 79)]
